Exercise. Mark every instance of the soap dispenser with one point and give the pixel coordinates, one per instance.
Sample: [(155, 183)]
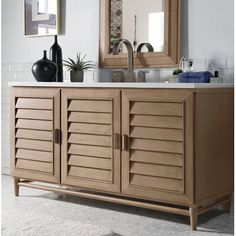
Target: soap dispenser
[(190, 65), (216, 78)]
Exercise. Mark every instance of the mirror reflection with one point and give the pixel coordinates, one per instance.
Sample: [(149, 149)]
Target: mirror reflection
[(141, 22), (41, 17)]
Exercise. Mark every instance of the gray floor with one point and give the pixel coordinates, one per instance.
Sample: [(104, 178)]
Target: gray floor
[(121, 220)]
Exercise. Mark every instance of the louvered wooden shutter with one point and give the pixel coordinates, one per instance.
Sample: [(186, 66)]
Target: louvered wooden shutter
[(35, 116), (91, 122), (156, 125)]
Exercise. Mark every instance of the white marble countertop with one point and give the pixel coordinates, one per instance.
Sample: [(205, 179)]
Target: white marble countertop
[(122, 85)]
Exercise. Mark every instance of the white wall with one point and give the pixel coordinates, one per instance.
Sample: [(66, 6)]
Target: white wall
[(81, 32), (207, 33), (211, 30), (207, 30)]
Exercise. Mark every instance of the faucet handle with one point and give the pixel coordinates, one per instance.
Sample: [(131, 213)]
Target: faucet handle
[(117, 76), (148, 46), (142, 76)]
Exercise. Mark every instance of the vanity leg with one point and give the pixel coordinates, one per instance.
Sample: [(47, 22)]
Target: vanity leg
[(16, 186), (227, 205), (193, 217)]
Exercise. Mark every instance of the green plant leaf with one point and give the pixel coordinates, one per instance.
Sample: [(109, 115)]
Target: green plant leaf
[(72, 61), (79, 64)]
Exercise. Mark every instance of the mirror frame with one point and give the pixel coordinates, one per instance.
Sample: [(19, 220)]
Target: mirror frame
[(168, 58)]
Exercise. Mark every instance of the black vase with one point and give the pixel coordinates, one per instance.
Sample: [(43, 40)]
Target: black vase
[(56, 56), (44, 70)]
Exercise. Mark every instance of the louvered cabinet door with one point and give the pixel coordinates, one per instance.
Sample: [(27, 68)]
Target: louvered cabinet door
[(157, 156), (90, 147), (35, 117)]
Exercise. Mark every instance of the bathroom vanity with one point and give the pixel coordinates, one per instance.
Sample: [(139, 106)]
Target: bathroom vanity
[(166, 147)]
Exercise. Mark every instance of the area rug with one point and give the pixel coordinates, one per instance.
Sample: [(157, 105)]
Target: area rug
[(14, 223)]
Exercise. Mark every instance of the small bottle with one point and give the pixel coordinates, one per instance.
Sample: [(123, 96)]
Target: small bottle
[(216, 74), (216, 78), (190, 65)]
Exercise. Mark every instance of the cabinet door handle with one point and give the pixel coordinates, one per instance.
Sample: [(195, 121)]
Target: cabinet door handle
[(125, 142), (116, 141), (57, 136)]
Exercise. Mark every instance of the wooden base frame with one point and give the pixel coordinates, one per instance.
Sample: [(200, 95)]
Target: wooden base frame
[(16, 186), (193, 211)]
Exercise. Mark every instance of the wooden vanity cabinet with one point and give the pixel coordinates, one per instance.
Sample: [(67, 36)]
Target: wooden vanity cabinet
[(162, 149), (35, 128)]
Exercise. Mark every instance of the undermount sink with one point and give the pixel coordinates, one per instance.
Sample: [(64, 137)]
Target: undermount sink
[(125, 76)]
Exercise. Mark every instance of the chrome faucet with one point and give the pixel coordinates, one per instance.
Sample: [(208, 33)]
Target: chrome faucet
[(130, 76)]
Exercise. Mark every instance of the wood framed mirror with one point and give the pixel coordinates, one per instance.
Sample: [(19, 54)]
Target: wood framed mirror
[(161, 24)]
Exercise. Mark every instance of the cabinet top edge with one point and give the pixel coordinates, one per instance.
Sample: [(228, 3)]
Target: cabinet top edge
[(122, 85)]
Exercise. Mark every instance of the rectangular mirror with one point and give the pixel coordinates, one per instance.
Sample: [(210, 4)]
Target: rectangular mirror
[(41, 17), (151, 26)]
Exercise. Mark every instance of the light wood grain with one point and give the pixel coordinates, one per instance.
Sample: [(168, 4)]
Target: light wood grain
[(193, 217), (34, 134), (170, 55), (90, 162), (195, 175), (34, 145), (156, 170), (156, 108), (34, 155), (81, 128), (96, 196), (156, 133), (34, 165), (16, 187), (85, 117), (90, 139), (146, 182), (91, 135), (34, 114), (158, 95), (34, 103), (157, 121), (57, 126), (147, 153), (90, 106), (94, 151), (90, 173), (34, 124), (156, 145), (214, 134), (157, 158)]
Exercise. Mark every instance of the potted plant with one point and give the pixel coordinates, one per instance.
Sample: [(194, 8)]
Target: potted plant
[(77, 67), (176, 72), (174, 77)]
